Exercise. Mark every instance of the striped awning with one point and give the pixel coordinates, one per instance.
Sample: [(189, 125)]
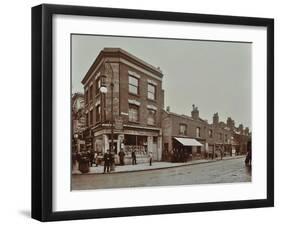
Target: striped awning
[(188, 141)]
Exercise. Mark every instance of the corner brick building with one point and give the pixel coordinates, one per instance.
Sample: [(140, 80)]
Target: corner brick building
[(138, 100)]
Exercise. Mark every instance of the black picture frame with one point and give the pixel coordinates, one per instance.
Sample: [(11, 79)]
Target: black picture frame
[(42, 111)]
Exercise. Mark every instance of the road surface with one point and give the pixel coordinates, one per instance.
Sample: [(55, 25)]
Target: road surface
[(225, 171)]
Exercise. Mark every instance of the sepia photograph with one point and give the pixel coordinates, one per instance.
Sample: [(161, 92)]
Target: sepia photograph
[(159, 112)]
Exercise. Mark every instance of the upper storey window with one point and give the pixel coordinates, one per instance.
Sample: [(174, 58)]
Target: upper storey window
[(151, 91), (133, 85)]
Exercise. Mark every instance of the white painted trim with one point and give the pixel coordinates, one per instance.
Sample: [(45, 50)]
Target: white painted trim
[(124, 113), (151, 82), (134, 74), (134, 102), (152, 107), (142, 127)]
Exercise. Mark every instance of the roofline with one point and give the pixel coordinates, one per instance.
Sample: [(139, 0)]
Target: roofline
[(108, 51)]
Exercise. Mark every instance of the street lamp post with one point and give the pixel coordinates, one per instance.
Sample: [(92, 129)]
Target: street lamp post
[(76, 142), (103, 89)]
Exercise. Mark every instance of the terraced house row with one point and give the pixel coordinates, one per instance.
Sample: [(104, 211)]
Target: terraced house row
[(124, 110)]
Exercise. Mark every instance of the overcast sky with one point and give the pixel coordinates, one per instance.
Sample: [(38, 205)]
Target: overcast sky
[(215, 76)]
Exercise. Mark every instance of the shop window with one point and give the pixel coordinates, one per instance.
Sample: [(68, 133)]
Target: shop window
[(155, 140)]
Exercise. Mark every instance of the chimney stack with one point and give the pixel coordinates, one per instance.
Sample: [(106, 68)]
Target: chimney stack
[(241, 127), (230, 123), (195, 112), (216, 119)]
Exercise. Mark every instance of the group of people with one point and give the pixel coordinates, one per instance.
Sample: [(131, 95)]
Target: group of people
[(109, 161), (179, 155), (108, 158), (90, 157)]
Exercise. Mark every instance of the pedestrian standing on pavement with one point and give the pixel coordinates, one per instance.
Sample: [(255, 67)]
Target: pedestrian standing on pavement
[(134, 158), (92, 158), (88, 156), (96, 158), (150, 158), (106, 158), (121, 157), (221, 153)]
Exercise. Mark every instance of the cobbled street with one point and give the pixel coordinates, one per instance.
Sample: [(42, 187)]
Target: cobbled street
[(225, 171)]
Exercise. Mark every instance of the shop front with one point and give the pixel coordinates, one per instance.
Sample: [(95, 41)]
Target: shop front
[(186, 149), (142, 142)]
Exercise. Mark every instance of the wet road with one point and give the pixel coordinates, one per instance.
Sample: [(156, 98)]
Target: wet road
[(226, 171)]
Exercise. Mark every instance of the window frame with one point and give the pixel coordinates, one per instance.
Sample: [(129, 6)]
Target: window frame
[(132, 85), (91, 112), (98, 85), (98, 113), (133, 106), (210, 133), (151, 110), (91, 93), (180, 126), (198, 131), (148, 92)]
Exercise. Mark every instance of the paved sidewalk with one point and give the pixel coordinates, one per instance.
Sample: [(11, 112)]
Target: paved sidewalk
[(155, 165)]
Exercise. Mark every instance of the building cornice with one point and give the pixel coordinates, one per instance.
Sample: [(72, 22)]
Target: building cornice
[(126, 57)]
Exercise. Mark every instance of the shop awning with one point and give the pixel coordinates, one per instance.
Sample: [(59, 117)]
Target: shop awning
[(188, 141)]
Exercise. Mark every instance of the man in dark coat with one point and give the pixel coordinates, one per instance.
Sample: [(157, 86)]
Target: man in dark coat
[(106, 158), (121, 157), (134, 158)]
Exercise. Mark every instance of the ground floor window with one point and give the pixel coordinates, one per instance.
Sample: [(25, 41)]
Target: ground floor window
[(135, 143)]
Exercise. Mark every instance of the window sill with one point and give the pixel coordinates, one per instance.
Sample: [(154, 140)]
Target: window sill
[(152, 100), (134, 122), (133, 94)]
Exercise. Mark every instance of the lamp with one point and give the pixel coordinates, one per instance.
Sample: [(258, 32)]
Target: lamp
[(104, 90)]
